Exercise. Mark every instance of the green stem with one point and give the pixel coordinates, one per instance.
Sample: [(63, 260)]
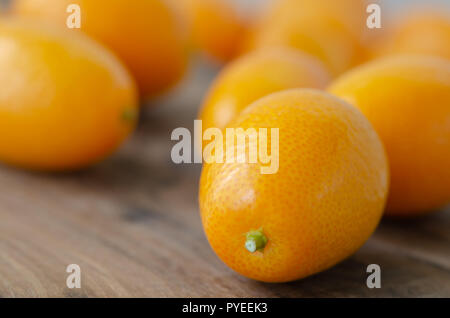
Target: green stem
[(255, 240)]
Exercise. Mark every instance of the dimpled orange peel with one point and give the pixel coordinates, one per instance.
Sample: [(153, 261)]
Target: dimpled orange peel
[(407, 99), (256, 75), (322, 204), (146, 34), (65, 101)]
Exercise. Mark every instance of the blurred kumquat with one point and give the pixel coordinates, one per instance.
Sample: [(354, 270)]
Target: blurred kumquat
[(215, 27), (147, 34), (65, 101), (256, 75), (420, 32), (407, 99)]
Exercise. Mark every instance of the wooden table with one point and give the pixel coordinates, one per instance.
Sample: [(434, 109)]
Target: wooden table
[(132, 224)]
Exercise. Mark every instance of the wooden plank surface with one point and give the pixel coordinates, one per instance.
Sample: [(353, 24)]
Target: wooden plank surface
[(132, 224)]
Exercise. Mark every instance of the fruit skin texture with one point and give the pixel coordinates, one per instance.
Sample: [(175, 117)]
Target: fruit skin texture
[(326, 29), (256, 75), (145, 34), (420, 32), (322, 205), (65, 101), (407, 99), (215, 27)]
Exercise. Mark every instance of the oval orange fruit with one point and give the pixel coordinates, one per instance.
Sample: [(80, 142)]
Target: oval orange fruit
[(255, 75), (323, 203), (328, 30), (146, 34), (65, 101), (407, 99)]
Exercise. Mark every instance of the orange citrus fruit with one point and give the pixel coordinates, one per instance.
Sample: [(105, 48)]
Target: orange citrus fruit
[(420, 32), (349, 14), (215, 27), (322, 204), (65, 101), (256, 75), (146, 34), (326, 29), (407, 99)]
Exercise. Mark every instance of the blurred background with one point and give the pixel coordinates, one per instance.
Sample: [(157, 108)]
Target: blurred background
[(132, 223)]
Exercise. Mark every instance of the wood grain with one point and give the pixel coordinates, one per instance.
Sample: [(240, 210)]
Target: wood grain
[(132, 225)]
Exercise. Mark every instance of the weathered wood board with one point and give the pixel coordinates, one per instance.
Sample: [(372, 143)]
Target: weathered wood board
[(132, 224)]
